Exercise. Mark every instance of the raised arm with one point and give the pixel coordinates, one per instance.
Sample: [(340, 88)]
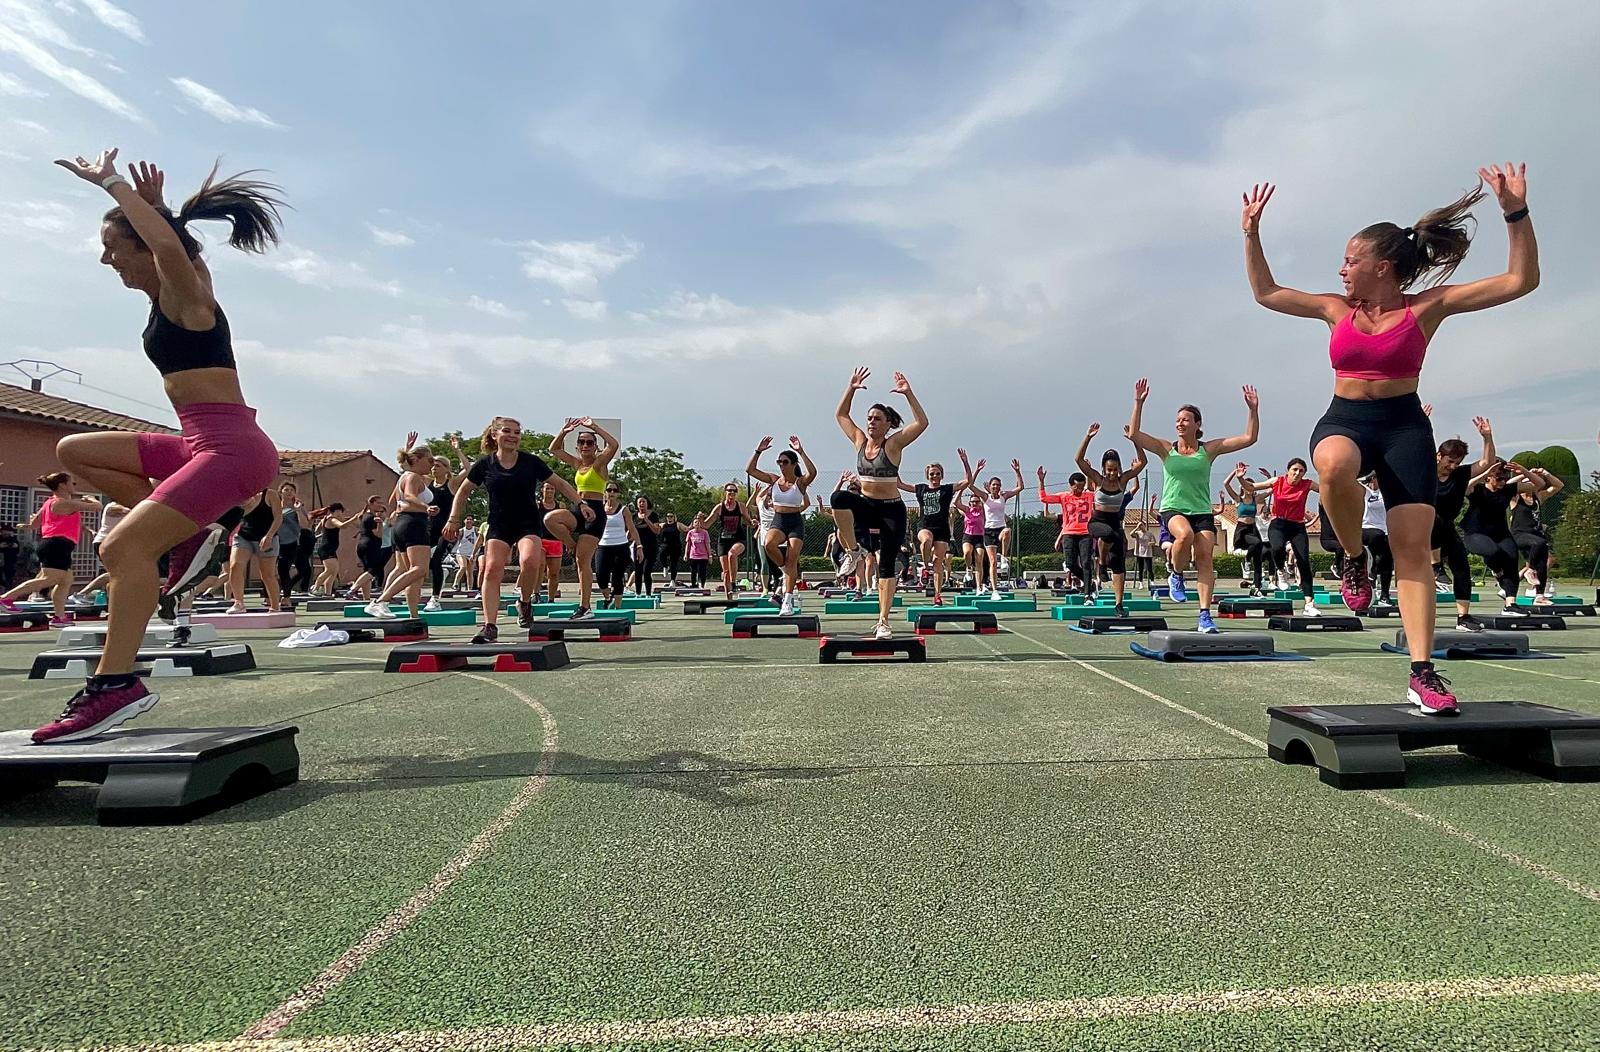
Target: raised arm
[(919, 419), (1223, 446), (858, 382), (967, 471), (1045, 497), (1545, 484), (1094, 477), (558, 440), (1485, 432), (459, 477), (808, 473), (1323, 306), (755, 472), (1016, 467), (610, 447), (580, 507), (1159, 447), (1510, 187)]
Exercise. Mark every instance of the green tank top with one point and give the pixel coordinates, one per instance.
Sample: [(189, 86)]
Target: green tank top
[(1186, 482)]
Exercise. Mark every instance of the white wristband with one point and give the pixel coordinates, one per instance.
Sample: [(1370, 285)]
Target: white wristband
[(112, 180)]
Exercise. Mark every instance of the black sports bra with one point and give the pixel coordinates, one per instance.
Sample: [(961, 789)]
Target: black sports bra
[(174, 349)]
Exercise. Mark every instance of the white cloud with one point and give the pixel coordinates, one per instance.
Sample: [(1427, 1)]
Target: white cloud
[(308, 267), (27, 32), (220, 108), (33, 126), (586, 310), (37, 217), (10, 85), (116, 18), (390, 238), (576, 267), (691, 306), (495, 308)]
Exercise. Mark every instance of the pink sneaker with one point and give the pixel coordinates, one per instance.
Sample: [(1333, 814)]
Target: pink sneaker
[(195, 559), (62, 622), (8, 605), (93, 712), (1430, 693), (1356, 587)]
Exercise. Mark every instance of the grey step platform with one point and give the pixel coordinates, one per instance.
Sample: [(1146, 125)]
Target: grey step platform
[(213, 659), (1096, 626), (154, 775), (1385, 610), (702, 606), (605, 629), (450, 657), (1456, 643), (378, 629), (806, 626), (831, 648), (983, 622), (24, 621), (1193, 645), (1324, 623), (1526, 622), (1363, 746), (156, 635), (1245, 607)]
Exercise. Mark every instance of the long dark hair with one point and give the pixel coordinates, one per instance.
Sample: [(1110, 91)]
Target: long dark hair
[(889, 412), (250, 207), (1433, 248)]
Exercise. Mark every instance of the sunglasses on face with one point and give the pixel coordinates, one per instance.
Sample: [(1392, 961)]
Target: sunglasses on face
[(585, 441)]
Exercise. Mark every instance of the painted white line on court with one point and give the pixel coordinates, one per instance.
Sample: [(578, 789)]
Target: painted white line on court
[(313, 993)]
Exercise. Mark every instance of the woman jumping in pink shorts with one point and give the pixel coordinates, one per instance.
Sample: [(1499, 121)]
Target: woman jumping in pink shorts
[(221, 458)]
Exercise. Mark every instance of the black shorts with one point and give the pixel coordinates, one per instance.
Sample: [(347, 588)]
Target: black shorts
[(595, 527), (991, 536), (511, 530), (938, 529), (411, 530), (976, 539), (887, 516), (55, 553), (1244, 534), (1198, 523), (790, 524), (868, 541), (374, 558), (94, 546), (326, 550), (725, 545), (1395, 439)]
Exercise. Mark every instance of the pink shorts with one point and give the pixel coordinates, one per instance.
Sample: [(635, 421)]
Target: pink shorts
[(221, 459), (552, 549)]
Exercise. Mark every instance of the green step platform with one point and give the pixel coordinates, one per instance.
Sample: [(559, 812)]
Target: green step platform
[(1557, 600), (855, 606), (434, 618), (1064, 612), (641, 602)]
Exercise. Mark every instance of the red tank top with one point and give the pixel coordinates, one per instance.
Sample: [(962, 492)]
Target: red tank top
[(69, 525), (1076, 511), (1289, 499), (1395, 354)]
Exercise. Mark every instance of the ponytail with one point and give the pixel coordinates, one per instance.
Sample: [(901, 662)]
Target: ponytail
[(890, 414), (1433, 248), (250, 207)]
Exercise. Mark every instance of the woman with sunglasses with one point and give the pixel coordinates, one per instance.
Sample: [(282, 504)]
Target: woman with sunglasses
[(620, 547), (730, 516), (788, 497), (592, 467)]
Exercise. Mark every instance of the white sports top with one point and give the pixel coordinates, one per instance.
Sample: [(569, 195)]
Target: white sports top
[(616, 531), (994, 513), (1375, 516), (791, 499)]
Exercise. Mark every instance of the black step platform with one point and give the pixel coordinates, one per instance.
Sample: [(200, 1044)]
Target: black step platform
[(451, 657), (1244, 607), (371, 629), (703, 606), (1534, 622), (1362, 746), (152, 775), (1325, 623), (214, 659), (1455, 643), (808, 626), (24, 621), (831, 648), (1201, 646), (691, 591), (605, 629), (1383, 610), (1101, 625), (983, 622), (1566, 609)]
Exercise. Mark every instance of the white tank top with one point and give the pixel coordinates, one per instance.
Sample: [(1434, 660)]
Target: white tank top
[(790, 499), (1374, 516), (616, 531), (994, 513)]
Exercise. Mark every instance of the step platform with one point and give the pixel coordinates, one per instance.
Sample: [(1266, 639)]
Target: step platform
[(1557, 607), (216, 659), (1078, 611), (324, 606), (1006, 606), (433, 618), (1526, 622), (1364, 746), (974, 598), (640, 602), (732, 614), (605, 629), (929, 622), (150, 775), (1247, 607), (259, 620), (748, 626), (705, 606), (1102, 624), (77, 613), (858, 606), (378, 630), (452, 657), (156, 635), (1389, 610), (1324, 623), (682, 592), (832, 648), (1200, 646), (1454, 644), (24, 621)]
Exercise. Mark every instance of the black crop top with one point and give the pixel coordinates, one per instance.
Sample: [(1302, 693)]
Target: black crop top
[(174, 349)]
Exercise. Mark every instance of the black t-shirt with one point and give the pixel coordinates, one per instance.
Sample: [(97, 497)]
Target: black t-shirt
[(648, 538), (1486, 510), (671, 537), (1525, 518), (934, 502), (9, 543), (444, 500), (514, 491), (730, 520), (1452, 493), (371, 529)]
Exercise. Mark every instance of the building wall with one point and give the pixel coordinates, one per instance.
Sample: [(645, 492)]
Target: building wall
[(28, 450), (349, 483)]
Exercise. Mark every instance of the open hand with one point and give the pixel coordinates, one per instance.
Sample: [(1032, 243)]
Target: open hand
[(96, 171), (1510, 184), (1482, 424), (1141, 389), (858, 379), (149, 181), (764, 445), (1255, 202), (794, 443), (902, 386), (1251, 399)]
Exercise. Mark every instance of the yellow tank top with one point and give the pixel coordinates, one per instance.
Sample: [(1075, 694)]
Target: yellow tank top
[(589, 480)]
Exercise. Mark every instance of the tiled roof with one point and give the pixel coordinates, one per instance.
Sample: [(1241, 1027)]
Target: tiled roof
[(49, 407), (300, 461)]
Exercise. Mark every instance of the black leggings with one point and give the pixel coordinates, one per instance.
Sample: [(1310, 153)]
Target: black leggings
[(1454, 555), (644, 571), (1284, 535), (288, 556), (888, 517), (671, 558), (1247, 540), (441, 548), (1145, 567), (613, 563), (1500, 553), (1075, 549), (1376, 542), (1535, 549), (697, 573), (1107, 531)]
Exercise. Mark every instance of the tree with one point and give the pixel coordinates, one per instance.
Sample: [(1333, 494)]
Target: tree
[(661, 475), (1577, 536), (1563, 464)]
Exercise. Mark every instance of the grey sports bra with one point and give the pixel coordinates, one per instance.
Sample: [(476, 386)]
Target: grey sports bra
[(878, 467)]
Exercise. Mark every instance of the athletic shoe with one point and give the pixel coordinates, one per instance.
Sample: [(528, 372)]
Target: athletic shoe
[(883, 631), (1175, 588), (1502, 592), (995, 595), (581, 613), (237, 608), (93, 712), (167, 607), (848, 561), (1355, 586), (938, 600), (433, 606), (786, 608), (1530, 575), (524, 613), (1120, 611), (486, 634), (1430, 693), (79, 599), (1468, 623), (1512, 610), (1255, 593), (1310, 609), (6, 604), (1284, 584), (196, 559), (1206, 625), (1543, 602), (1441, 581), (65, 621), (379, 610)]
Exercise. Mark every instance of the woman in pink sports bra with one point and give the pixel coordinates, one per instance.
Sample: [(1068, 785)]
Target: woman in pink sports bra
[(1380, 333), (59, 521)]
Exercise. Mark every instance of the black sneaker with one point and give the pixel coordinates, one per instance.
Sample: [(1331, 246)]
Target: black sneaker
[(581, 613), (486, 634), (1468, 623), (524, 613), (1121, 611), (167, 607)]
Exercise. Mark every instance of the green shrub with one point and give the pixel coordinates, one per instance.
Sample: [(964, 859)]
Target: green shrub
[(1577, 536)]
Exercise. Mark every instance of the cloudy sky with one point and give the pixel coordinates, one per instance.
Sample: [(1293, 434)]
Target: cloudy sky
[(700, 217)]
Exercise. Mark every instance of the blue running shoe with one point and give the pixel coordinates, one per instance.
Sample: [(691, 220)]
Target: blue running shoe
[(1206, 625), (1175, 588)]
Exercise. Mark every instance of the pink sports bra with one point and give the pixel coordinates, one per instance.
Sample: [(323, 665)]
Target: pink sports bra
[(1393, 355)]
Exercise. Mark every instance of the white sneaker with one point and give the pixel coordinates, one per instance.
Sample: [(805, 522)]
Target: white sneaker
[(379, 610), (786, 608), (848, 561), (1310, 610), (883, 631), (995, 595), (1284, 584), (433, 606), (794, 602), (237, 608)]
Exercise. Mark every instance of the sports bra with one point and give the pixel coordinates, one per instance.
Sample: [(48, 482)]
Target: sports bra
[(791, 499), (877, 467), (1395, 354), (589, 480), (1245, 511), (1108, 501), (173, 349)]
